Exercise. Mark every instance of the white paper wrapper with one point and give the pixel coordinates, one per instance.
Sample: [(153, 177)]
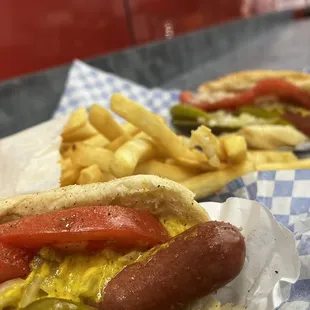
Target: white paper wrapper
[(29, 159), (268, 261), (29, 163)]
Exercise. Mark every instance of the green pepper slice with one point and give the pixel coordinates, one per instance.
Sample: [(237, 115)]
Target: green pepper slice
[(185, 112), (259, 112), (57, 304), (274, 116), (185, 127)]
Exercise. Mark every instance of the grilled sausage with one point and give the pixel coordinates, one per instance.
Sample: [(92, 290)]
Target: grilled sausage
[(193, 264)]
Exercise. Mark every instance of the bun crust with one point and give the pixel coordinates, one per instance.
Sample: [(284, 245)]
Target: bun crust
[(239, 81), (161, 197)]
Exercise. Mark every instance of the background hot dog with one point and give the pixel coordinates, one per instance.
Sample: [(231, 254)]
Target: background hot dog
[(193, 264)]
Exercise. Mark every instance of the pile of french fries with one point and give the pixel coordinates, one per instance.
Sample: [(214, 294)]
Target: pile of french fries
[(97, 148)]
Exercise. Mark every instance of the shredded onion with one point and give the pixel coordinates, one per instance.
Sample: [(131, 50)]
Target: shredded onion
[(10, 284), (31, 292), (15, 284)]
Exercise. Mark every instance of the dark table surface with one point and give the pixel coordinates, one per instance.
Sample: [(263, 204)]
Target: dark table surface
[(274, 41)]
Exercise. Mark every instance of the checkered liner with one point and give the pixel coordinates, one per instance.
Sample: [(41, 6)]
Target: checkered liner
[(286, 193)]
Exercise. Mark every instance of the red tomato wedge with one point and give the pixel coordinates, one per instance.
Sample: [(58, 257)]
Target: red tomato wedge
[(124, 227), (187, 96), (244, 98), (275, 87), (14, 262), (283, 90)]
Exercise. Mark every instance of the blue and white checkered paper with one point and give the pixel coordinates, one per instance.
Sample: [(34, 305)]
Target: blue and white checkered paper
[(285, 193)]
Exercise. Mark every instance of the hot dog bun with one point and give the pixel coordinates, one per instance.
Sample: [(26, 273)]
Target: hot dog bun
[(160, 197), (243, 80), (236, 83)]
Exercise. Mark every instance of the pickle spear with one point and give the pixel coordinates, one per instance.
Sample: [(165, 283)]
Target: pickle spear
[(55, 303), (185, 112)]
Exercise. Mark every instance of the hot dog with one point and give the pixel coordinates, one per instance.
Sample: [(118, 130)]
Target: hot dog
[(243, 99), (132, 238), (193, 264)]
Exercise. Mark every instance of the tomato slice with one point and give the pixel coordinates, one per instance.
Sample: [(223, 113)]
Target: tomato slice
[(90, 246), (244, 98), (283, 90), (275, 87), (187, 97), (14, 262), (125, 227)]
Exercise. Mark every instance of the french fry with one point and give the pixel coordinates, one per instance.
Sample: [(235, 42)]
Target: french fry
[(169, 171), (85, 156), (69, 172), (91, 174), (235, 148), (153, 126), (78, 128), (130, 129), (294, 165), (150, 124), (118, 142), (208, 183), (196, 163), (264, 157), (64, 147), (209, 144), (130, 153), (104, 122), (101, 149), (98, 140), (81, 133), (77, 119), (108, 176)]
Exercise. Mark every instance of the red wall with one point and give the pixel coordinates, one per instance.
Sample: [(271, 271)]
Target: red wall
[(37, 34)]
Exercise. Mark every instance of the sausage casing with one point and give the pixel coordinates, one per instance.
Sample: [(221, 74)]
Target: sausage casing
[(195, 263)]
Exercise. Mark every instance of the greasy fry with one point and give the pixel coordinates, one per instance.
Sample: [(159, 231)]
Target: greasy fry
[(85, 156), (294, 165), (108, 176), (264, 157), (81, 133), (98, 140), (64, 147), (104, 122), (210, 182), (69, 172), (91, 174), (101, 149), (150, 124), (196, 162), (169, 171), (77, 119), (209, 144), (130, 129), (235, 148), (130, 153), (78, 128), (118, 142)]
